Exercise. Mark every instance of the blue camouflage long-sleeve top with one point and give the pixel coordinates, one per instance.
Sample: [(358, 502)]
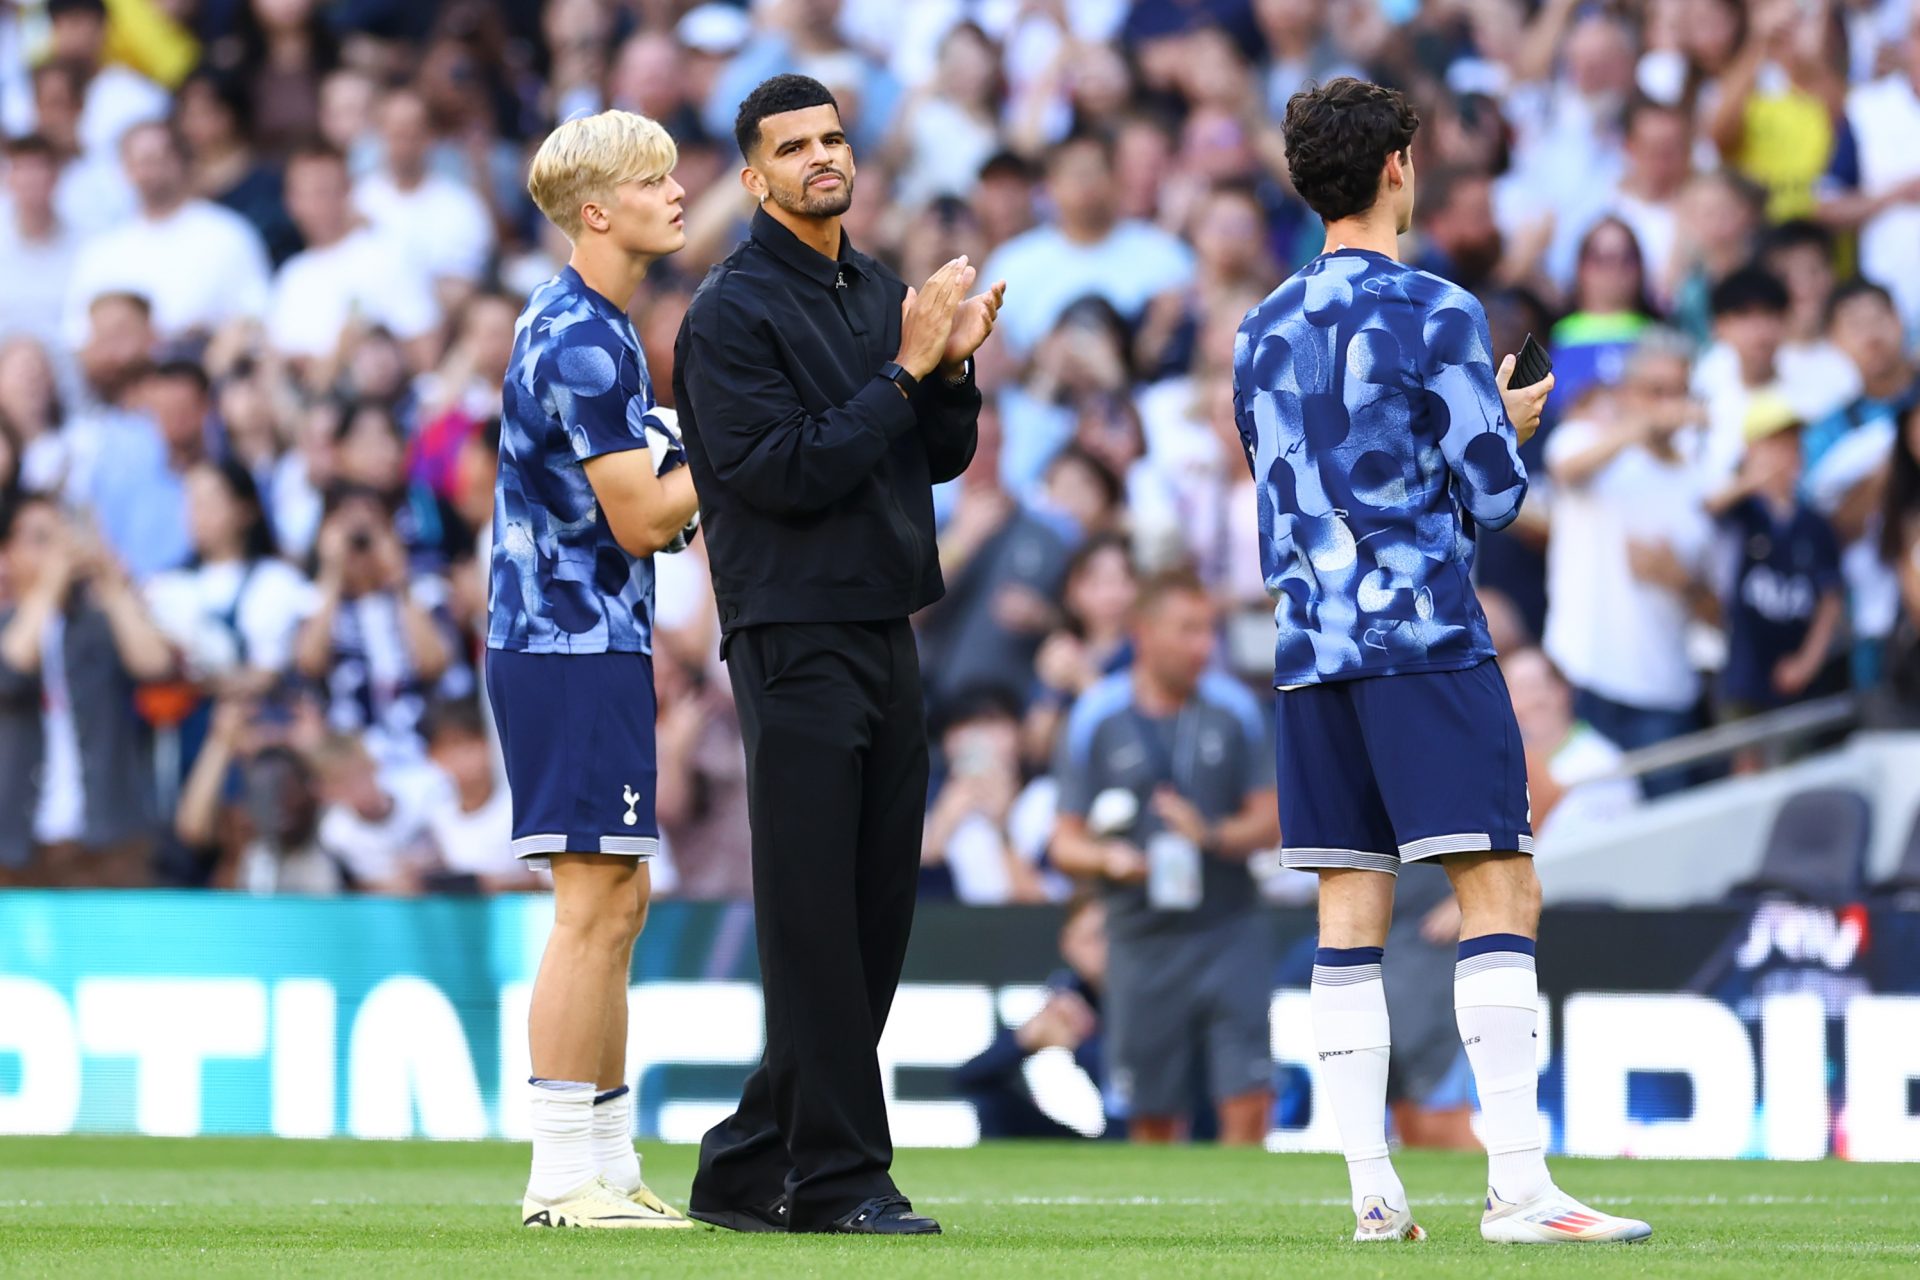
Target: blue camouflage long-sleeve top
[(1364, 393)]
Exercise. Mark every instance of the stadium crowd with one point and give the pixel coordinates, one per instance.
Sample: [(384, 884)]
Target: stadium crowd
[(260, 262)]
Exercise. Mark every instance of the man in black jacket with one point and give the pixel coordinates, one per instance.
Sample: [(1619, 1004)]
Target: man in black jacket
[(821, 400)]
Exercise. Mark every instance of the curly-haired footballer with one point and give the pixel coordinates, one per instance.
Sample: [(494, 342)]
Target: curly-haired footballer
[(1380, 435)]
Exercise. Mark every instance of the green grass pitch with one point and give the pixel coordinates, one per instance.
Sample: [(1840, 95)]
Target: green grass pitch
[(231, 1207)]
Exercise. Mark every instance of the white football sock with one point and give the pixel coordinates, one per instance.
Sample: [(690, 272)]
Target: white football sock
[(613, 1149), (1350, 1033), (563, 1155), (1496, 1001)]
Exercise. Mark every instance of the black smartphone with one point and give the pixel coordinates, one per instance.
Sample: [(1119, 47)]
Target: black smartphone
[(1531, 365)]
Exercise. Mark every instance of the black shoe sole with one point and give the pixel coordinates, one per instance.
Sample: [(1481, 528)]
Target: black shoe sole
[(736, 1220), (932, 1230)]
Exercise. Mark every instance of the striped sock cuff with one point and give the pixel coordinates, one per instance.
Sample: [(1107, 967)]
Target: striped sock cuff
[(1494, 951), (610, 1095), (560, 1086), (1345, 966)]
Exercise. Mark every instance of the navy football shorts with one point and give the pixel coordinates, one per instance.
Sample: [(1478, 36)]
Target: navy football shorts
[(1389, 769), (577, 733)]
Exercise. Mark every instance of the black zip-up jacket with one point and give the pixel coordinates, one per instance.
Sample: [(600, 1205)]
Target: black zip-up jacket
[(815, 474)]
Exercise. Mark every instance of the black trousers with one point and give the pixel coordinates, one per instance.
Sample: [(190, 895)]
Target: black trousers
[(836, 747)]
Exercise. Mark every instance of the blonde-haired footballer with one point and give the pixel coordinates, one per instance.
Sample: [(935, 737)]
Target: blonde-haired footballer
[(593, 482)]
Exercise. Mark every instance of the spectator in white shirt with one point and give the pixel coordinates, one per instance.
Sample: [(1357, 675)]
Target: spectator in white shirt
[(1628, 563), (1567, 758), (1566, 158), (197, 263), (1885, 120), (31, 412), (36, 249), (375, 829), (1176, 413), (348, 97), (470, 821), (1088, 250), (444, 225), (378, 641), (1749, 327), (348, 276), (1659, 150), (949, 127), (92, 193), (1815, 375), (234, 610), (967, 828), (117, 96), (1195, 451)]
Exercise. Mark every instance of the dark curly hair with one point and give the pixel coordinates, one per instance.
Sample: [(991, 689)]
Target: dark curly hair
[(782, 93), (1339, 134)]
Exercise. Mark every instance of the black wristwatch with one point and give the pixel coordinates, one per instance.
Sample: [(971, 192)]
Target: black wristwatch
[(897, 374)]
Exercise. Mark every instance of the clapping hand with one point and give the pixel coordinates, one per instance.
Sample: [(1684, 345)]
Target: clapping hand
[(927, 317), (971, 325)]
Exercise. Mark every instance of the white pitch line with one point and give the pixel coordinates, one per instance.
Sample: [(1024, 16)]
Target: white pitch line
[(1326, 1202), (1047, 1202)]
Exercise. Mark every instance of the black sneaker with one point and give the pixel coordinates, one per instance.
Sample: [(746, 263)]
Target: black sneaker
[(769, 1217), (886, 1216)]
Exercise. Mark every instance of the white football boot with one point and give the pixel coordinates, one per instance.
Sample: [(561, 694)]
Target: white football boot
[(599, 1203), (1379, 1221), (668, 1216), (1554, 1217)]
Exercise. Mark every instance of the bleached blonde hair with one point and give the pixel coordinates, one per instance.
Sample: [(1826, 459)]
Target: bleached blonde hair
[(586, 158)]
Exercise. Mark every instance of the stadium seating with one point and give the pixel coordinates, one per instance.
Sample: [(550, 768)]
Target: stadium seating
[(1817, 849), (1697, 847), (1902, 888)]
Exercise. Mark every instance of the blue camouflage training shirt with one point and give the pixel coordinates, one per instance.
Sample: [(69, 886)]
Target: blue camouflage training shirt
[(1364, 393), (577, 389)]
